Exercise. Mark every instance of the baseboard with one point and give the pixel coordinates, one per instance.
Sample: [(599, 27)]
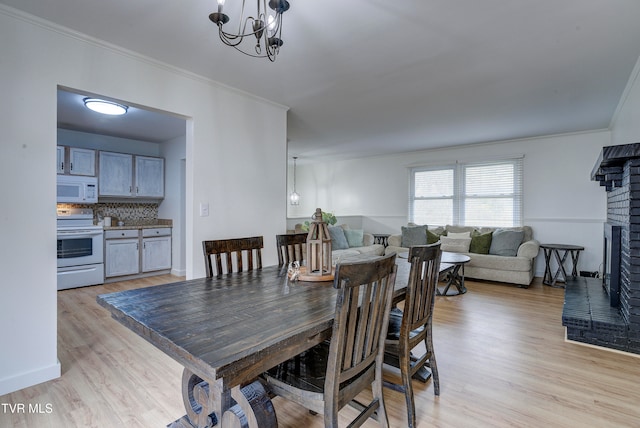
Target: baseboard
[(179, 272), (24, 380)]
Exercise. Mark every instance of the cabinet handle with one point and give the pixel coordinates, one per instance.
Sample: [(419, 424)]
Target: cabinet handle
[(61, 166), (71, 166), (137, 191)]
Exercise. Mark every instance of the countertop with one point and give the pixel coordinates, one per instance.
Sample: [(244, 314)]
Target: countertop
[(152, 224)]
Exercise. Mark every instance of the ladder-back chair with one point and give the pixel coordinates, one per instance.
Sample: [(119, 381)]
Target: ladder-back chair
[(330, 375), (232, 251), (415, 326), (291, 248)]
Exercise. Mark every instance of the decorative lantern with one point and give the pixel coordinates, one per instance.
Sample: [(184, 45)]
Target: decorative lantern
[(318, 248)]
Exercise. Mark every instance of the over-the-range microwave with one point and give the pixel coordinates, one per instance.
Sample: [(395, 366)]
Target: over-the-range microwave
[(77, 189)]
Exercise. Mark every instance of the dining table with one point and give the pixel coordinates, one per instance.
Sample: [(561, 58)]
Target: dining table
[(227, 330)]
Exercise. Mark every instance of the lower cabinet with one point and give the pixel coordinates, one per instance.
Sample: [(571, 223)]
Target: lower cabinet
[(137, 252)]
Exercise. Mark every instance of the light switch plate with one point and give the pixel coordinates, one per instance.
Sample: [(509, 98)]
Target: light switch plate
[(204, 209)]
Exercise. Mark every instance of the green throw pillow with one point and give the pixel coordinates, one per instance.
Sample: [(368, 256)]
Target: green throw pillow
[(480, 242), (432, 237), (355, 237)]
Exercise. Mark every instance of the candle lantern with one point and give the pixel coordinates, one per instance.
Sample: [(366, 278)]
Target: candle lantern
[(318, 247)]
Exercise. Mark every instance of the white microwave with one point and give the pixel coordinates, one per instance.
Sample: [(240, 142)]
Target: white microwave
[(73, 188)]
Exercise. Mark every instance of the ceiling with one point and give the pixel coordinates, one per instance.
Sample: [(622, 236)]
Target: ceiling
[(370, 77)]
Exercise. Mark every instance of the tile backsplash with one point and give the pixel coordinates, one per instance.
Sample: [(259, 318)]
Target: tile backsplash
[(134, 213)]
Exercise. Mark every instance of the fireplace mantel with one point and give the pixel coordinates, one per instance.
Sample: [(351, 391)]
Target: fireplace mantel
[(608, 167)]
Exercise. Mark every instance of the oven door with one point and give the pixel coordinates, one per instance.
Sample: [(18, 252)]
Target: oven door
[(79, 247)]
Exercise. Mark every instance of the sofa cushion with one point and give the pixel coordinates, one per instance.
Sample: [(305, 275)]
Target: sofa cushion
[(458, 235), (506, 242), (480, 242), (355, 237), (338, 240), (455, 245), (414, 235)]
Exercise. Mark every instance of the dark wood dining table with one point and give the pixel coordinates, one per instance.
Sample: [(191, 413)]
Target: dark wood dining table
[(229, 329)]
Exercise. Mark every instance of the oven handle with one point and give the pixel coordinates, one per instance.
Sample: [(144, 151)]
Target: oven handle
[(78, 233)]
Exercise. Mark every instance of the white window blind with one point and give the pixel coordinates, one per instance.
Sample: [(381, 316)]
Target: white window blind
[(474, 194)]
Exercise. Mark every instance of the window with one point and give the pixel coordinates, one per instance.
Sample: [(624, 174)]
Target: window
[(474, 194)]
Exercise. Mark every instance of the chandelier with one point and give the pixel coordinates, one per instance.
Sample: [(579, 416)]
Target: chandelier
[(294, 197), (264, 26)]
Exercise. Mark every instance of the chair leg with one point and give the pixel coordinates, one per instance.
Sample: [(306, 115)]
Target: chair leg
[(405, 372), (432, 361)]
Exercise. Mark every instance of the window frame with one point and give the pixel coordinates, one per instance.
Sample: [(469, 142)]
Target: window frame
[(460, 198)]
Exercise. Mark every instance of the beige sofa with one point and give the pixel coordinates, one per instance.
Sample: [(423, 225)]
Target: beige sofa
[(515, 270), (368, 246)]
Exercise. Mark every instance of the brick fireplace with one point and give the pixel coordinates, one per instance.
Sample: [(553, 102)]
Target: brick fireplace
[(606, 312)]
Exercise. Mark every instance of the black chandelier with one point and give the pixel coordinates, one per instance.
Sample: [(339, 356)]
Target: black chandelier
[(265, 27)]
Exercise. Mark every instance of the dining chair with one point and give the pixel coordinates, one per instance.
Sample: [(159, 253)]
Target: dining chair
[(330, 375), (232, 251), (415, 325), (291, 247)]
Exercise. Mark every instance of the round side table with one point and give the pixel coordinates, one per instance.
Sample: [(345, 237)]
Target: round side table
[(553, 251)]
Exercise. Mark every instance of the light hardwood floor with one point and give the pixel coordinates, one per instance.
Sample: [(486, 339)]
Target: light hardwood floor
[(501, 354)]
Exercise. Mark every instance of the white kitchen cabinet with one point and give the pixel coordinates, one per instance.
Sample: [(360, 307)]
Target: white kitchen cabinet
[(122, 257), (149, 177), (60, 159), (75, 161), (156, 253), (115, 177), (82, 161), (134, 253), (130, 176)]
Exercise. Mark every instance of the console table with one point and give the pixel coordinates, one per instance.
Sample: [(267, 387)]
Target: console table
[(381, 238), (553, 251)]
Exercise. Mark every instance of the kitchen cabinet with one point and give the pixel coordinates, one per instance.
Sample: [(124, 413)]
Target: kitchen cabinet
[(115, 174), (149, 175), (156, 249), (122, 253), (75, 161), (60, 159), (82, 161), (131, 176), (133, 253)]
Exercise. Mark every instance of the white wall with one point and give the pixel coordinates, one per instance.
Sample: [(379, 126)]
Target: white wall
[(625, 126), (561, 202), (232, 141), (172, 206)]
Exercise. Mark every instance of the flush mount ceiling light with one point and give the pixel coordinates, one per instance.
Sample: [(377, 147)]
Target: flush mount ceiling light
[(105, 107), (265, 26)]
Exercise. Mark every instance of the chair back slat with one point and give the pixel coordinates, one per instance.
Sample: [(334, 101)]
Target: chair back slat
[(291, 247), (421, 289), (232, 251)]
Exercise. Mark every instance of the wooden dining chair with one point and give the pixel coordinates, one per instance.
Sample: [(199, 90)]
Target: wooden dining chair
[(328, 376), (232, 251), (415, 325), (291, 247)]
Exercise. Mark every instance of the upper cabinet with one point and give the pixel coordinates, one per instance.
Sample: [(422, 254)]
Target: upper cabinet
[(129, 176), (75, 161), (149, 177)]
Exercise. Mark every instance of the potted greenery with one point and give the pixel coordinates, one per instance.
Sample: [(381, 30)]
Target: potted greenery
[(327, 217)]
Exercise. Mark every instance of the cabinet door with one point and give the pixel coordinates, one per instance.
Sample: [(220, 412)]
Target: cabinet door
[(116, 172), (82, 161), (60, 159), (156, 253), (122, 257), (149, 177)]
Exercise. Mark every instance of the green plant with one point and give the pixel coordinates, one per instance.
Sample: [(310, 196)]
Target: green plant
[(327, 217)]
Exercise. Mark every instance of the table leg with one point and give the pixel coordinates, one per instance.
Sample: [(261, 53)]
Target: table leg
[(453, 278), (547, 267), (561, 269), (574, 258), (245, 407)]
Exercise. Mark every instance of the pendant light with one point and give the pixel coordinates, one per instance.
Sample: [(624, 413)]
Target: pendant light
[(294, 198)]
